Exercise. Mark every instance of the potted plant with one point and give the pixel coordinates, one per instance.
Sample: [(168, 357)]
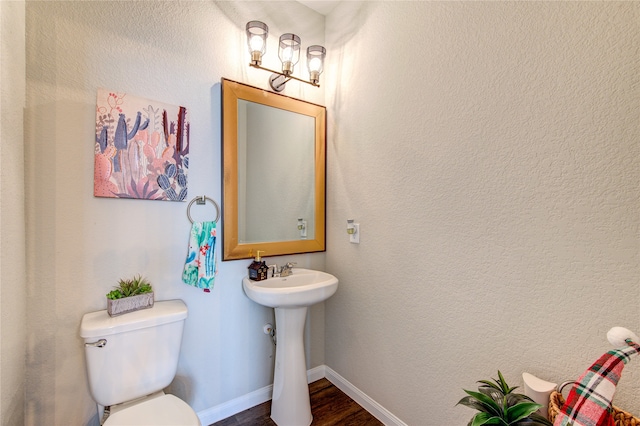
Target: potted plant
[(130, 295), (498, 404)]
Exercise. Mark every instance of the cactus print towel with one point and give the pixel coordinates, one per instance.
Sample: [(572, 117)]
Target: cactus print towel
[(200, 266)]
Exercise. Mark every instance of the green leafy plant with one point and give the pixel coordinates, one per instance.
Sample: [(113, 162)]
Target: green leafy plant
[(498, 404), (131, 287)]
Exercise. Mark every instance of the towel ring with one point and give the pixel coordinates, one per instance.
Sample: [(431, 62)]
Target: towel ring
[(202, 200)]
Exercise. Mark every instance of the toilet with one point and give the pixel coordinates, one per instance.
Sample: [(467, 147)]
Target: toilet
[(130, 359)]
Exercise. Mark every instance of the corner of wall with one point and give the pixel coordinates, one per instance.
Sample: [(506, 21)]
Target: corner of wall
[(12, 221)]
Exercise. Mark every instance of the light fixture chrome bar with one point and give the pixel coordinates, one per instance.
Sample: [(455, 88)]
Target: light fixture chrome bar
[(288, 77)]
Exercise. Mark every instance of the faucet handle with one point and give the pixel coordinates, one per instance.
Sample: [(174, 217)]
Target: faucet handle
[(275, 272), (290, 264)]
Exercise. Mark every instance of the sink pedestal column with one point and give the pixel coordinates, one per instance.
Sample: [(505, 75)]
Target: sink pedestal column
[(290, 404)]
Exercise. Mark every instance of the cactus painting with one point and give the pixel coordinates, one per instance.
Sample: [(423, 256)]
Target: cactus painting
[(141, 148)]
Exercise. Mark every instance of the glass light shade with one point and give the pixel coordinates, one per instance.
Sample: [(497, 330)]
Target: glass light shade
[(289, 52), (315, 62), (257, 33)]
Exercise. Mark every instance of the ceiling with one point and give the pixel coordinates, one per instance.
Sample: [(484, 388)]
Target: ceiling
[(321, 6)]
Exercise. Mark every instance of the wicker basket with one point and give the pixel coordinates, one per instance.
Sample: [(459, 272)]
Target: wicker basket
[(621, 417)]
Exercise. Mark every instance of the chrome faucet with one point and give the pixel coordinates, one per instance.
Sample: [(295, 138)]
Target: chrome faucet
[(275, 272), (285, 271)]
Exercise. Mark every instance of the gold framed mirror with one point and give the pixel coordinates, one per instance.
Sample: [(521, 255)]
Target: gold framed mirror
[(274, 170)]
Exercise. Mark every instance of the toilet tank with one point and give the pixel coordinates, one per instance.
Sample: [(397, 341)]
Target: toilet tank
[(141, 352)]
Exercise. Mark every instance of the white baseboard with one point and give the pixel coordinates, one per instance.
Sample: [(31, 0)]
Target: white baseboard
[(244, 402), (376, 410), (257, 397), (316, 373), (235, 406)]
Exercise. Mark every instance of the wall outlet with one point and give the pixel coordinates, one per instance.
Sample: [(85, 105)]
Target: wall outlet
[(355, 237)]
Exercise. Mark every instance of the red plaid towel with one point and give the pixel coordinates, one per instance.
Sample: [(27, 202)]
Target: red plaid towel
[(589, 402)]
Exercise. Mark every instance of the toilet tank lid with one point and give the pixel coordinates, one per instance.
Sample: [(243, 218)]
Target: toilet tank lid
[(97, 324)]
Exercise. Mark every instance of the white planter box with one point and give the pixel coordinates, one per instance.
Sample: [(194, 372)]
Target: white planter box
[(129, 304)]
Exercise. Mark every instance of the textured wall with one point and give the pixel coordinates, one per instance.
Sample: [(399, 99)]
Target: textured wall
[(491, 160), (78, 245), (12, 223), (489, 151)]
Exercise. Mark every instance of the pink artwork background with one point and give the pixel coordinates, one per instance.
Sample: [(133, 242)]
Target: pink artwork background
[(141, 148)]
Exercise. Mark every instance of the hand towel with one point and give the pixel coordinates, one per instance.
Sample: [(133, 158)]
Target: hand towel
[(589, 401), (200, 266)]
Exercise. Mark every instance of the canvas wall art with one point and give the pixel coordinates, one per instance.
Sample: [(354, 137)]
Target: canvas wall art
[(141, 148)]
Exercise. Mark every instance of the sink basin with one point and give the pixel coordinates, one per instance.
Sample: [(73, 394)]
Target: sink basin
[(304, 287), (291, 297)]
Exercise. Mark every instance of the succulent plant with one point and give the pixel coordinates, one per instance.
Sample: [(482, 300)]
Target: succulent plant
[(130, 287), (498, 404)]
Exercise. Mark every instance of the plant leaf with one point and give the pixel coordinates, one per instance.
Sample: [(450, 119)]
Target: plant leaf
[(503, 384), (486, 419), (493, 393), (534, 419), (488, 384), (514, 398), (520, 411), (488, 404), (471, 402)]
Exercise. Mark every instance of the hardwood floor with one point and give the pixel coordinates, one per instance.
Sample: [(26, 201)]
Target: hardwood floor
[(329, 405)]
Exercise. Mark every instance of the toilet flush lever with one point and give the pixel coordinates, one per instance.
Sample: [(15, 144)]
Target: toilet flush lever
[(99, 344)]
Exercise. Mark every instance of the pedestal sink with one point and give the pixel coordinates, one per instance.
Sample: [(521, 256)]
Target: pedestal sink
[(291, 296)]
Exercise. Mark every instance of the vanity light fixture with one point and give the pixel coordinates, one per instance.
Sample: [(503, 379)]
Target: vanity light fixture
[(257, 33), (289, 54)]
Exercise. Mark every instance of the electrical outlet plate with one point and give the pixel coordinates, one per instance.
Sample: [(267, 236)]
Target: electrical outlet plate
[(355, 237)]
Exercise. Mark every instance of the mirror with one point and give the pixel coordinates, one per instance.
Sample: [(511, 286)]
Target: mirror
[(273, 162)]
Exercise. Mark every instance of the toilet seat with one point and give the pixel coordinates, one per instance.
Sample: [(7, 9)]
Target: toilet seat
[(165, 410)]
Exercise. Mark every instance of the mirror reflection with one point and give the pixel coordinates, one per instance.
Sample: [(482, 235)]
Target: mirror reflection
[(276, 164), (273, 173)]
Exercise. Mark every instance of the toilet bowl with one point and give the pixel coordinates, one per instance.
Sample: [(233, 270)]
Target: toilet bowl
[(155, 410), (130, 360)]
